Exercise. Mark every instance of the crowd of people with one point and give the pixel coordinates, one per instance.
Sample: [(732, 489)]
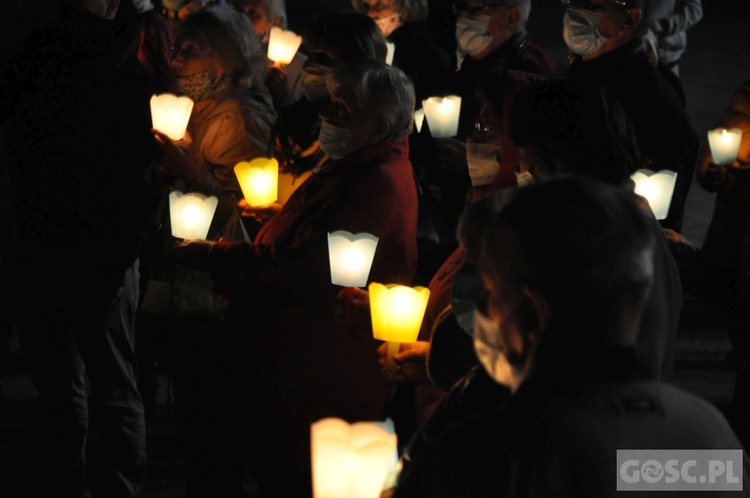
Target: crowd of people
[(550, 332)]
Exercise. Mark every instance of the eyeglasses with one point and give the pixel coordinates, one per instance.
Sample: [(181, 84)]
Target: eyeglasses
[(187, 52), (591, 5)]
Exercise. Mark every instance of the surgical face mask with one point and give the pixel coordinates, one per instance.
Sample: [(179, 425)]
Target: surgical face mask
[(482, 161), (581, 31), (524, 177), (490, 353), (196, 86), (314, 81), (471, 33), (334, 140)]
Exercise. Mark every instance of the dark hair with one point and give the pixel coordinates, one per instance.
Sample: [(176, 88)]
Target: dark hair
[(355, 35), (584, 245), (408, 10), (576, 123)]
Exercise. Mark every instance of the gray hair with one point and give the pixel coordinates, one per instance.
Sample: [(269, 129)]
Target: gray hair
[(408, 10), (276, 8), (231, 36), (384, 91)]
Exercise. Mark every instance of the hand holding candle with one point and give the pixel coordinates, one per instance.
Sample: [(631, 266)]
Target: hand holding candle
[(397, 313), (725, 145)]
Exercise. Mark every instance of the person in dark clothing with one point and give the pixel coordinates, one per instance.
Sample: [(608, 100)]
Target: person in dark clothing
[(75, 99), (565, 266), (604, 38)]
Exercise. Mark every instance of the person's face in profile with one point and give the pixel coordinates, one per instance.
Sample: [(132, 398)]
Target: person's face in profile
[(378, 9)]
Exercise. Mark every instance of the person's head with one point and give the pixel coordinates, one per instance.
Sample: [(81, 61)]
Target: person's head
[(564, 261), (215, 48), (594, 27), (263, 14), (333, 40), (402, 10), (371, 102), (572, 125), (483, 26)]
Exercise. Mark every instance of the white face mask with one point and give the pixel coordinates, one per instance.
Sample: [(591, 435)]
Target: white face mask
[(482, 161), (314, 81), (471, 33), (524, 177), (489, 352), (581, 31), (334, 140)]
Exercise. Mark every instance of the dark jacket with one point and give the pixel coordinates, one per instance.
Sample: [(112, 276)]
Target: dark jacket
[(666, 137), (292, 364)]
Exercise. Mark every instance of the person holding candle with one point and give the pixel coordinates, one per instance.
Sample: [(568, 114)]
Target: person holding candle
[(290, 363), (605, 42), (219, 65), (559, 331)]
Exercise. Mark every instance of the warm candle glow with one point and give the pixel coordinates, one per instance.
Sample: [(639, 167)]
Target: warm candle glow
[(418, 118), (351, 460), (397, 311), (351, 257), (725, 145), (283, 45), (259, 180), (657, 188), (191, 214), (170, 114), (442, 115)]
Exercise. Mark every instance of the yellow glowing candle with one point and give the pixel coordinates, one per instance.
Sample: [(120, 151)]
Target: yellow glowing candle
[(396, 312), (725, 145), (259, 180), (170, 114), (442, 115), (191, 214), (351, 460), (657, 188), (283, 45)]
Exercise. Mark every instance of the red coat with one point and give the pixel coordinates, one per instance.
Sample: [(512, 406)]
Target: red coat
[(295, 365)]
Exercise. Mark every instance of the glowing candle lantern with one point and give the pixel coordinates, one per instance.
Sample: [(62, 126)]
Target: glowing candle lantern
[(724, 144), (418, 118), (657, 188), (396, 312), (170, 114), (442, 115), (350, 460), (191, 214), (283, 45), (390, 51), (351, 257), (259, 180)]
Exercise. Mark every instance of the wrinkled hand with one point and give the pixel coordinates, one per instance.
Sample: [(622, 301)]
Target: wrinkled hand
[(192, 254), (352, 312), (259, 214), (451, 155), (175, 159), (411, 361), (276, 81)]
